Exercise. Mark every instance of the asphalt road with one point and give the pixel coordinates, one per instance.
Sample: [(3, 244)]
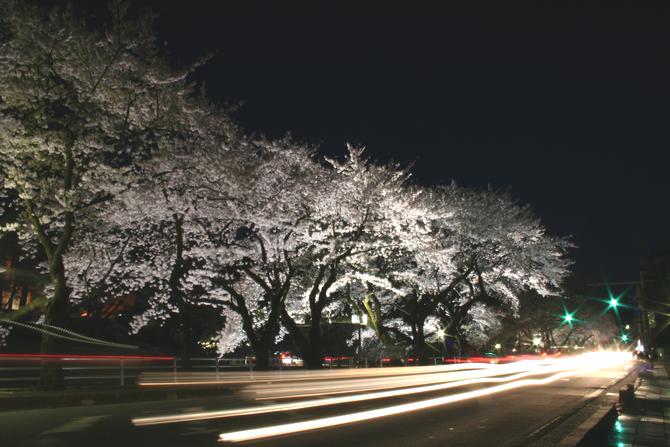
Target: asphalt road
[(510, 417)]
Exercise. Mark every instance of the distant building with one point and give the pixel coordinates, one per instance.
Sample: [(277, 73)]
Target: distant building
[(16, 288)]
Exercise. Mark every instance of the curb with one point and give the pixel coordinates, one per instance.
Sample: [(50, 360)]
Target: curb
[(596, 428), (591, 431)]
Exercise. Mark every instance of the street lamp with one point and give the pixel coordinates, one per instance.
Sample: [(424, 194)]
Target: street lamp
[(359, 320)]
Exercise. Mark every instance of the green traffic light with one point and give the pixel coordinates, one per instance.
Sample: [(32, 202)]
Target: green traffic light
[(624, 338), (614, 302), (568, 317)]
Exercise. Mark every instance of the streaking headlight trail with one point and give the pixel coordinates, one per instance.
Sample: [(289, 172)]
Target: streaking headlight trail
[(517, 371), (172, 380), (580, 365)]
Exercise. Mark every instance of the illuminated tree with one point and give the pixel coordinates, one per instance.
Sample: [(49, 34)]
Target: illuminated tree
[(78, 110), (476, 253), (504, 250), (148, 237), (257, 234), (283, 247), (350, 225)]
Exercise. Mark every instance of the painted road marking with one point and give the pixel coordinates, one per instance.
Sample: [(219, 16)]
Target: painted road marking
[(76, 424)]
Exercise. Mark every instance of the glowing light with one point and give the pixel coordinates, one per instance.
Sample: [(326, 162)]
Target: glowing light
[(614, 302), (83, 357), (596, 360), (526, 369), (537, 341), (624, 338), (568, 317), (206, 378), (498, 346), (443, 379), (441, 333), (618, 427)]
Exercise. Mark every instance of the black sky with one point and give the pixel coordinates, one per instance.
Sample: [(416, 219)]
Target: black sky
[(566, 107)]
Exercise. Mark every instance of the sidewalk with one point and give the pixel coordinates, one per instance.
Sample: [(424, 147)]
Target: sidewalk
[(646, 422)]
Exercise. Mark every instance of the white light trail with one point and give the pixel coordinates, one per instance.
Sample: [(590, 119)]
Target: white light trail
[(592, 361), (452, 383), (326, 388), (208, 379)]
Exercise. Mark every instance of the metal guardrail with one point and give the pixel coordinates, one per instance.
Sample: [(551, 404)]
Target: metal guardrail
[(81, 371), (23, 370)]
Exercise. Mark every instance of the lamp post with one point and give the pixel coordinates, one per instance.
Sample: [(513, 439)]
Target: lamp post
[(359, 320)]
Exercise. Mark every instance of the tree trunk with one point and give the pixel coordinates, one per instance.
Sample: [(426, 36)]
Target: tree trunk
[(314, 355), (419, 340), (262, 353), (56, 313), (186, 337), (176, 295), (51, 374), (309, 347)]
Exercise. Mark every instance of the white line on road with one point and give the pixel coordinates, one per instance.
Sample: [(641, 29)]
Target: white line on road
[(76, 424), (596, 393)]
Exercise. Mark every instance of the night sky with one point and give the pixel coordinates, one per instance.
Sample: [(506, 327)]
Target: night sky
[(566, 108)]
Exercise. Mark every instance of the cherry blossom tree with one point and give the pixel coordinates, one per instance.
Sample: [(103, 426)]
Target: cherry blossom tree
[(257, 238), (147, 238), (284, 236), (349, 225), (478, 251), (505, 251), (78, 109)]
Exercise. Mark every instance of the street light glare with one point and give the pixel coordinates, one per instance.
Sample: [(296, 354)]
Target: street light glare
[(614, 302), (441, 333)]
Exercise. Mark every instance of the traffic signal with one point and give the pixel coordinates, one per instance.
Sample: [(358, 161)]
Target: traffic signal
[(568, 318), (614, 303)]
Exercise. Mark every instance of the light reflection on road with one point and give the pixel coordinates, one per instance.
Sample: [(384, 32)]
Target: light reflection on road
[(364, 385)]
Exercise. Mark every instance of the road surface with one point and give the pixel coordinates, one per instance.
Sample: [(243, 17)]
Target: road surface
[(473, 417)]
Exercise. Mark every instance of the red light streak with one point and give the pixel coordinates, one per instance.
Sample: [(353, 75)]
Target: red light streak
[(23, 356)]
